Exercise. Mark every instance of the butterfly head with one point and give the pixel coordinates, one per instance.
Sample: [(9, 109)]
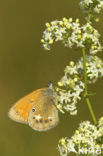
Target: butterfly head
[(51, 89), (50, 85)]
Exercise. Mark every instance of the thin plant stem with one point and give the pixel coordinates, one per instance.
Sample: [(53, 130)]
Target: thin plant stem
[(91, 110), (86, 89), (85, 71), (89, 19)]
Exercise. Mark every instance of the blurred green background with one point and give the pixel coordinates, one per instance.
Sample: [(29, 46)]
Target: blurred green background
[(26, 66)]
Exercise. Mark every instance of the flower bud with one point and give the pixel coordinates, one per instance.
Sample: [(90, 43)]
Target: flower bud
[(70, 20), (60, 84)]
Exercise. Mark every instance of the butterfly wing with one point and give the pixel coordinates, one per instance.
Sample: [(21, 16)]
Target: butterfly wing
[(20, 110), (44, 114)]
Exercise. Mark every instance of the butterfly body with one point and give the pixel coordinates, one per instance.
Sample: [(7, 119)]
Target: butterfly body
[(37, 109)]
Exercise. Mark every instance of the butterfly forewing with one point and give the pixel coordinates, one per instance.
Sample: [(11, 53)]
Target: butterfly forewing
[(20, 110), (44, 114)]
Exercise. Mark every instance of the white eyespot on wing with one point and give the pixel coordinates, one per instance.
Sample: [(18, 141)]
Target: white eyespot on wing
[(38, 117)]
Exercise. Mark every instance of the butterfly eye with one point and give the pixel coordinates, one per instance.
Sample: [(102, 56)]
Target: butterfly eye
[(33, 110)]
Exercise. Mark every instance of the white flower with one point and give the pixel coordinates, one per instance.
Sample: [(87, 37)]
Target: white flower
[(59, 33), (97, 9), (47, 35), (71, 70)]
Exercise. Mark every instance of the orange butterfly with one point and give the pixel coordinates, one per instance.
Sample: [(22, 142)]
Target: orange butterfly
[(38, 109)]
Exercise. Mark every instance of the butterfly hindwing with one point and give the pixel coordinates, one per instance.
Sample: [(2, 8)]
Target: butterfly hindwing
[(43, 114)]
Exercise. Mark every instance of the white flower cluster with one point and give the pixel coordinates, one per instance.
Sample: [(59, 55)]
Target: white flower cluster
[(94, 67), (69, 94), (86, 140), (71, 86), (71, 34), (91, 6)]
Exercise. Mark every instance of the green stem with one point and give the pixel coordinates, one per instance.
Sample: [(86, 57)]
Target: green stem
[(91, 110), (86, 89), (85, 71), (89, 18)]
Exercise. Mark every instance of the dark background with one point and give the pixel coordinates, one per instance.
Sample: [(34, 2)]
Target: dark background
[(26, 66)]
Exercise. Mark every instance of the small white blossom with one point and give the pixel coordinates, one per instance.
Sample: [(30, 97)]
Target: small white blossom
[(48, 35)]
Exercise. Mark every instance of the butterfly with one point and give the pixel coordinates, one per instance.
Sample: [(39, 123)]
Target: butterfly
[(37, 109)]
